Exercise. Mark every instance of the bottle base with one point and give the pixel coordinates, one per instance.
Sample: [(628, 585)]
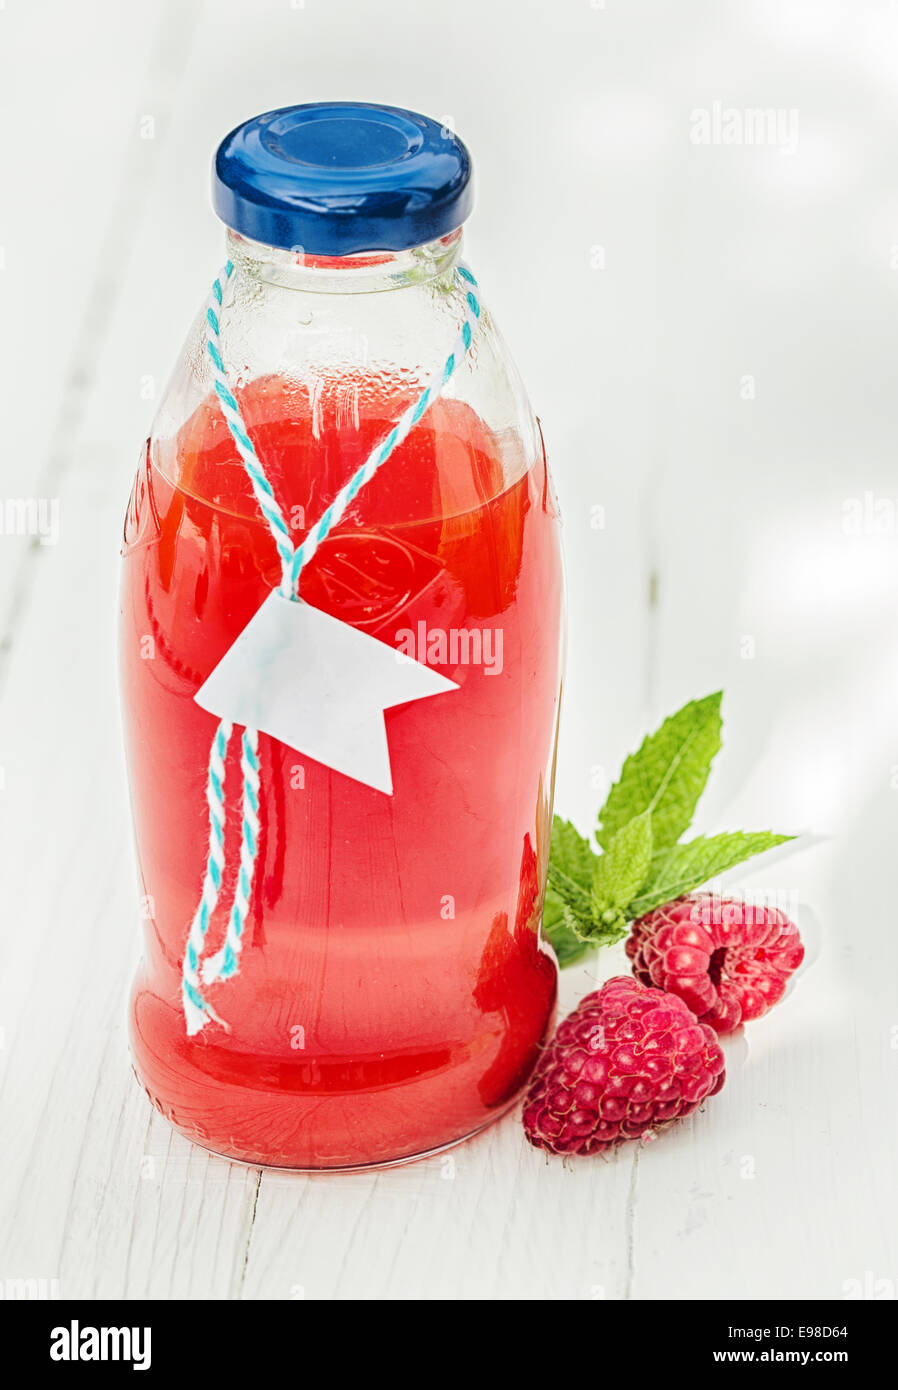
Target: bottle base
[(307, 1170)]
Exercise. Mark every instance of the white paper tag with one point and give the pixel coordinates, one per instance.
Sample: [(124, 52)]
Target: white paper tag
[(318, 685)]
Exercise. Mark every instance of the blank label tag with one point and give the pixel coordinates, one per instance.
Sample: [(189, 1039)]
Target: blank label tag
[(318, 685)]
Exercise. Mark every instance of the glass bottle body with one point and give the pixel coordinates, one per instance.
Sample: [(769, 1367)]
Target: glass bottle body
[(393, 993)]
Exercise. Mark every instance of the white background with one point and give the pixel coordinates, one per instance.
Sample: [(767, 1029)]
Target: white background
[(713, 398)]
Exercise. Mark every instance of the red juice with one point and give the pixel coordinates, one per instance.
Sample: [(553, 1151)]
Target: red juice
[(393, 993)]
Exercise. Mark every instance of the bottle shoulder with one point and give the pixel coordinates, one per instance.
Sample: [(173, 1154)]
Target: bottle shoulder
[(320, 378)]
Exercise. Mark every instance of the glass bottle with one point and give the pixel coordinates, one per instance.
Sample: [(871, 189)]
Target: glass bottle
[(392, 993)]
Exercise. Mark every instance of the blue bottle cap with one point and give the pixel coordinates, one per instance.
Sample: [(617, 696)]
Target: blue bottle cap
[(335, 178)]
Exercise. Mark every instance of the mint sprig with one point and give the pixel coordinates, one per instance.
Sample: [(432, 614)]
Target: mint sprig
[(572, 858), (667, 775), (567, 942), (620, 872), (683, 867), (592, 897)]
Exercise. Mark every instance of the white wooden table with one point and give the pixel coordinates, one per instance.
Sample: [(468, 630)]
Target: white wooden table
[(709, 334)]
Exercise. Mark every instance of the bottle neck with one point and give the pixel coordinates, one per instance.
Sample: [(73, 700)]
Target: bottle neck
[(369, 272)]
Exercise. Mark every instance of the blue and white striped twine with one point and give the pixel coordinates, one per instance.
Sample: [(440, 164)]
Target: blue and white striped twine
[(226, 961)]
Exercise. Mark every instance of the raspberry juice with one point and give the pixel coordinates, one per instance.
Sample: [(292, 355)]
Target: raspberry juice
[(393, 993)]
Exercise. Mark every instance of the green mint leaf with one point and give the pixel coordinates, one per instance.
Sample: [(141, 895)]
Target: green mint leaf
[(570, 893), (571, 863), (571, 853), (621, 871), (667, 775), (681, 868), (559, 929), (592, 933)]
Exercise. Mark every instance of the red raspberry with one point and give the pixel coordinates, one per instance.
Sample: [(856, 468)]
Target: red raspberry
[(729, 961), (627, 1060)]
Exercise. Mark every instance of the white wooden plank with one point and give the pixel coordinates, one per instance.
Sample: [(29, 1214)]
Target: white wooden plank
[(768, 425), (84, 92)]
